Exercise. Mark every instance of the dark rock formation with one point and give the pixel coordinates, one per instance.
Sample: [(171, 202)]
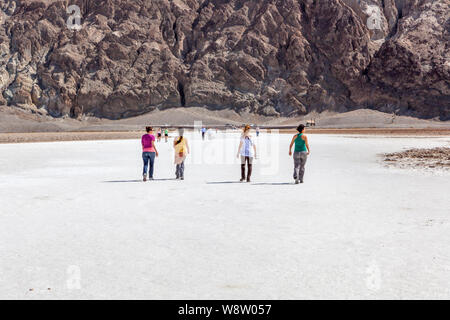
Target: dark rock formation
[(273, 57)]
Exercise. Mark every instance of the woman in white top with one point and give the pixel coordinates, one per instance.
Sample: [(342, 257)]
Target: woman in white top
[(247, 151)]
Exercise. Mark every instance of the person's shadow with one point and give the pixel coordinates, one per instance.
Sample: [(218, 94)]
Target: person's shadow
[(273, 184), (135, 181), (224, 182), (253, 184)]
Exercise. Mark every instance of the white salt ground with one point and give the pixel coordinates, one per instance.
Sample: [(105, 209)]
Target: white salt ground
[(77, 222)]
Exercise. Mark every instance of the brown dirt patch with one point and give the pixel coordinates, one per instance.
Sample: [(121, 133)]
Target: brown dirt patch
[(425, 158)]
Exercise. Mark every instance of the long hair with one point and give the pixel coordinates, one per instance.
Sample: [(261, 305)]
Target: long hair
[(246, 130)]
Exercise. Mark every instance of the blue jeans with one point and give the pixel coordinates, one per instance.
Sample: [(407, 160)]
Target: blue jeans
[(180, 170), (148, 157)]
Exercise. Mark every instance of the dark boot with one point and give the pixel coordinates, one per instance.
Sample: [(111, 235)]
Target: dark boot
[(242, 172), (249, 173)]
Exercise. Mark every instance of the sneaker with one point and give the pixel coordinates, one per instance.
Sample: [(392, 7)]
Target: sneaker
[(181, 178), (301, 181), (145, 178), (248, 180), (296, 181), (242, 180), (151, 178)]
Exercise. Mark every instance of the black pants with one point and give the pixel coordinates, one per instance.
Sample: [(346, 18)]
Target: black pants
[(249, 161)]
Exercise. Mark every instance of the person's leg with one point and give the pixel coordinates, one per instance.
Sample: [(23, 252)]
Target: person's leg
[(303, 158), (242, 168), (145, 160), (182, 170), (250, 168), (296, 165), (152, 164), (177, 171)]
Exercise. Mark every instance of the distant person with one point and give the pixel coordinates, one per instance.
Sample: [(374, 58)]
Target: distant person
[(166, 134), (203, 133), (301, 153), (181, 147), (159, 134), (149, 152), (257, 131), (246, 151)]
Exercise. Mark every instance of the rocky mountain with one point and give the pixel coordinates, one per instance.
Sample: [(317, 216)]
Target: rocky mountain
[(271, 57)]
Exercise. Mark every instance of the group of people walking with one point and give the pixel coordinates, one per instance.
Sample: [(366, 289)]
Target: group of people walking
[(246, 153), (149, 152), (166, 134)]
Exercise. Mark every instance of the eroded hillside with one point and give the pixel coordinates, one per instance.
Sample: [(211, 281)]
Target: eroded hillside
[(285, 57)]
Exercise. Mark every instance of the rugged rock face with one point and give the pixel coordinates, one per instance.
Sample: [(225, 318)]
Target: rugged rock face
[(273, 57)]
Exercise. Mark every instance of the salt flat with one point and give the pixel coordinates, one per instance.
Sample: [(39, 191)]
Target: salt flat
[(77, 222)]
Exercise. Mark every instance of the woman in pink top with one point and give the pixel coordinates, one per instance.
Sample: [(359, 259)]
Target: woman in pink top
[(149, 152)]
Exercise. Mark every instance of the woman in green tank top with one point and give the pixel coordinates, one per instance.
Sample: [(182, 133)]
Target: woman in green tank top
[(301, 153)]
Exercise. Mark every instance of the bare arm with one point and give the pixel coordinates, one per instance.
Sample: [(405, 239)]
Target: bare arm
[(239, 149), (187, 147), (307, 144), (292, 143), (254, 148), (156, 150)]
